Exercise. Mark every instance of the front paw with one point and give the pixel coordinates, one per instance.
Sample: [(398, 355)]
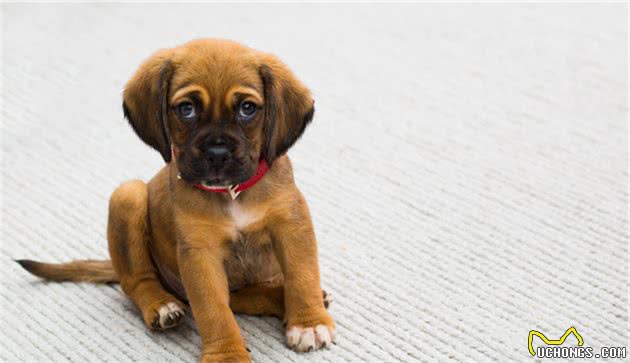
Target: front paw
[(312, 334)]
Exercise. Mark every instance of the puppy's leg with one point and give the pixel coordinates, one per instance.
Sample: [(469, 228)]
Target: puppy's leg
[(128, 238), (205, 281), (309, 326), (263, 299)]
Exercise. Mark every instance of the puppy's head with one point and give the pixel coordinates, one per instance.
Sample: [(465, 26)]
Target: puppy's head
[(218, 107)]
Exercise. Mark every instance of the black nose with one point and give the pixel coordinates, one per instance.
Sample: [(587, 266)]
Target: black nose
[(218, 155)]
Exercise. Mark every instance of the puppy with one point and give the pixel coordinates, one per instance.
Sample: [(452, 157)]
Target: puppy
[(222, 226)]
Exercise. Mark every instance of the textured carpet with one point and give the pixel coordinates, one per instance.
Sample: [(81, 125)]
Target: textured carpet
[(467, 173)]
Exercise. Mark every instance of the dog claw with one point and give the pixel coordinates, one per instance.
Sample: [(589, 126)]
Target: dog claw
[(173, 318)]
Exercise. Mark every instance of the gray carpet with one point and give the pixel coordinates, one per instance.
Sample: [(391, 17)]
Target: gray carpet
[(467, 173)]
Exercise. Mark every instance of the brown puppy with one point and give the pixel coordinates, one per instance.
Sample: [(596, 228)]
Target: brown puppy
[(219, 113)]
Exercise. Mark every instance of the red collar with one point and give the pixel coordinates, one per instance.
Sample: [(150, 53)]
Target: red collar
[(236, 189)]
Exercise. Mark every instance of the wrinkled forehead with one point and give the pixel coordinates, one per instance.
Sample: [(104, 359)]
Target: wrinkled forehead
[(216, 78)]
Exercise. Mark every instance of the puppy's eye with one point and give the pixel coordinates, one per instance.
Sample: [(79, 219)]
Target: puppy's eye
[(247, 109), (187, 111)]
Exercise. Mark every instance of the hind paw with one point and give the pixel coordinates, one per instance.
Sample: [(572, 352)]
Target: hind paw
[(167, 316)]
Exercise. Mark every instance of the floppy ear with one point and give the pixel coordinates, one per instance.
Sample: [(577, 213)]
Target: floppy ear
[(288, 107), (145, 102)]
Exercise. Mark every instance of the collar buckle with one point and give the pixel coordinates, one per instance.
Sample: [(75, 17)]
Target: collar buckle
[(231, 189)]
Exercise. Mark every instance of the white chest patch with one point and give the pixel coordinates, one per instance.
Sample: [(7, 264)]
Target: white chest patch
[(242, 217)]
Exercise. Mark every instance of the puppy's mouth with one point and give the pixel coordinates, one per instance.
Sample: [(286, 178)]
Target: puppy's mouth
[(214, 184), (211, 183), (215, 181)]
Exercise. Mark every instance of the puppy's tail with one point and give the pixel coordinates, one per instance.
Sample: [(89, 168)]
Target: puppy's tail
[(80, 270)]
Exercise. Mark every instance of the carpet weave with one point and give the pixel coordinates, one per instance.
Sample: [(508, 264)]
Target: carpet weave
[(466, 170)]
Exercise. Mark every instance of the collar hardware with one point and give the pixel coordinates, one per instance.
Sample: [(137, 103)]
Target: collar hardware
[(234, 190)]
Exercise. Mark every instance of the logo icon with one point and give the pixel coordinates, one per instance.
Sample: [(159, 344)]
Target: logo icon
[(547, 341)]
